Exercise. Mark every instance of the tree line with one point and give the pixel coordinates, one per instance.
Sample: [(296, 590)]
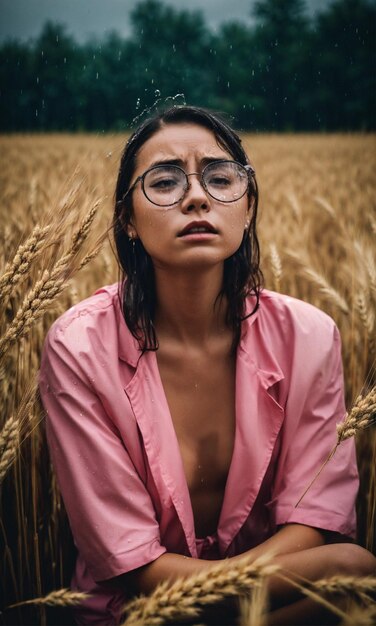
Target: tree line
[(287, 71)]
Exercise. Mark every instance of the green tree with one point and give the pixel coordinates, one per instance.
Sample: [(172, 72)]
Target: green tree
[(56, 68), (344, 82), (170, 50), (281, 44), (16, 91)]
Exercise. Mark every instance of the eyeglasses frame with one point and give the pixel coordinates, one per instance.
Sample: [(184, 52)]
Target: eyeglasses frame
[(248, 168)]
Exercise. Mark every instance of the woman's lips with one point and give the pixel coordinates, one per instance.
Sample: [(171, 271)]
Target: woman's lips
[(198, 229)]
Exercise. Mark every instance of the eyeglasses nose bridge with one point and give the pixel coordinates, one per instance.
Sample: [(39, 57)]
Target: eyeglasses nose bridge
[(201, 180)]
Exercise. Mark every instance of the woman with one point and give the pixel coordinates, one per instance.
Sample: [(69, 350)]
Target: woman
[(187, 408)]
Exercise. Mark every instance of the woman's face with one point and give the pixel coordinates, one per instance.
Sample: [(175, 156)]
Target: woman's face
[(169, 234)]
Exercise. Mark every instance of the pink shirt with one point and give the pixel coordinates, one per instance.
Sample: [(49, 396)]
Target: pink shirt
[(118, 461)]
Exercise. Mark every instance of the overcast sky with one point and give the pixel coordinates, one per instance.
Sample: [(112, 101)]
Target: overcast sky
[(23, 19)]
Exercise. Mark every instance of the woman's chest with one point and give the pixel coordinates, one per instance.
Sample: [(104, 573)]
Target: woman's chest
[(201, 399)]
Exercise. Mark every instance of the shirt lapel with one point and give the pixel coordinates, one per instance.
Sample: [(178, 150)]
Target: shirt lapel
[(149, 404), (258, 421)]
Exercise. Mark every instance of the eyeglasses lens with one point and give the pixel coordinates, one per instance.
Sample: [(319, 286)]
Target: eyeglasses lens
[(225, 181), (165, 185)]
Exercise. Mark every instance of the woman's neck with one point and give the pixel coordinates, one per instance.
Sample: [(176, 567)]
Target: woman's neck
[(188, 307)]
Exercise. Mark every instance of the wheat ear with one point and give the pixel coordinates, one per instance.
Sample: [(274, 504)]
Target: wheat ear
[(186, 597), (361, 416), (345, 585), (22, 260), (9, 439), (253, 608), (326, 289), (61, 597), (276, 266), (12, 430), (47, 288)]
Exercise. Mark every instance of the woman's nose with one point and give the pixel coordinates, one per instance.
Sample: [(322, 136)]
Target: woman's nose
[(195, 197)]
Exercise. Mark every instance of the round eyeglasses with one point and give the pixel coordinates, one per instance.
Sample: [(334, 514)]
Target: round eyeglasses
[(166, 185)]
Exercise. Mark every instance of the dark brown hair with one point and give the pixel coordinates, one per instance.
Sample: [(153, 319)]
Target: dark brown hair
[(242, 274)]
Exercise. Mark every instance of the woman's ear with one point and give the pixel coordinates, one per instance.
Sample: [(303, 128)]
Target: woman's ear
[(131, 231)]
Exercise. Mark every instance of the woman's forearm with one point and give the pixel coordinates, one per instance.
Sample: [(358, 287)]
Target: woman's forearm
[(290, 539)]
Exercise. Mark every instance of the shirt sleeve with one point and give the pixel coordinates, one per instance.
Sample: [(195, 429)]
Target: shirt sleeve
[(110, 511), (315, 405)]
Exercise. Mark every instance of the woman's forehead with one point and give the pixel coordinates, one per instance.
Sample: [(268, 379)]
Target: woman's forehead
[(180, 142)]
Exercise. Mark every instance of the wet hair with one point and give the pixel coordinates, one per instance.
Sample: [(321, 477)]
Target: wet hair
[(242, 274)]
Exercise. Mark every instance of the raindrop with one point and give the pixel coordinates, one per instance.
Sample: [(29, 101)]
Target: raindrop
[(157, 93), (36, 112), (173, 47), (65, 59), (57, 38), (37, 80), (228, 84), (97, 76), (119, 55), (138, 104)]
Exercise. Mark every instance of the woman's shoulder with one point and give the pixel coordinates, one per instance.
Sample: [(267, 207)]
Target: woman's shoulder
[(288, 310), (92, 311), (95, 325)]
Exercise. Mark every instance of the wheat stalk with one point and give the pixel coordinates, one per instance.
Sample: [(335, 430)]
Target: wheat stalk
[(360, 616), (61, 597), (187, 596)]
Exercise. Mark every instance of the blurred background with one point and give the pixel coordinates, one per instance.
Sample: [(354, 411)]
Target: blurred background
[(272, 65)]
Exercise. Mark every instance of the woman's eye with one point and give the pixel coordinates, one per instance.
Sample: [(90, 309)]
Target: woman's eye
[(164, 183), (219, 181)]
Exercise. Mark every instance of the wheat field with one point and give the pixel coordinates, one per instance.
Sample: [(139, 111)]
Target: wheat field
[(317, 229)]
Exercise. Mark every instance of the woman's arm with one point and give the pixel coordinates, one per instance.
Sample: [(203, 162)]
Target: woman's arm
[(290, 539), (300, 552)]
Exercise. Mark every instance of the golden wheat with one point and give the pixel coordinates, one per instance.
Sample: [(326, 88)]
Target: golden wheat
[(186, 596), (61, 597), (361, 416)]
